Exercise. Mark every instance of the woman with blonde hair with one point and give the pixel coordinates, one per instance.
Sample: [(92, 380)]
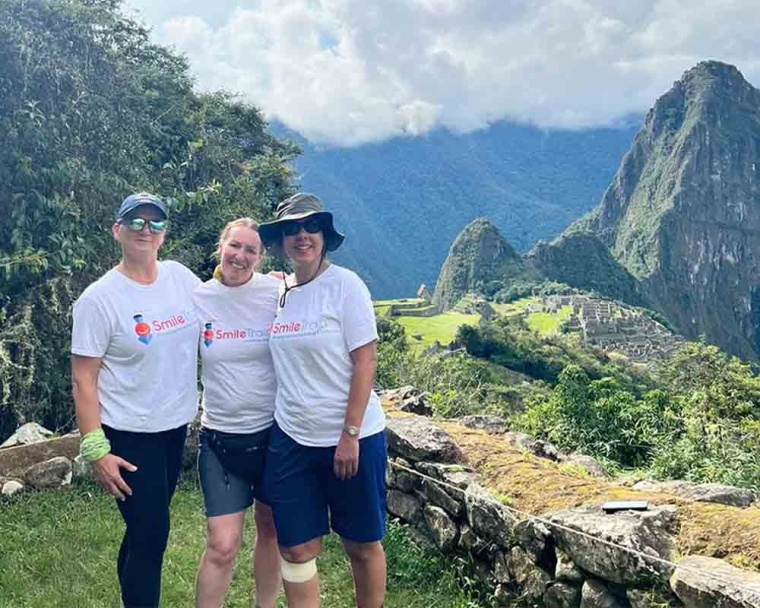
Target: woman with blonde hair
[(235, 310)]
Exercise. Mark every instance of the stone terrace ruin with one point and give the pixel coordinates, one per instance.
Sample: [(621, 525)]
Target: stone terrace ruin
[(613, 326)]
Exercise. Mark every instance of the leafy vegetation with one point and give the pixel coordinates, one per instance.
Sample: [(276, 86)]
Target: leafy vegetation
[(72, 536), (90, 111), (695, 416)]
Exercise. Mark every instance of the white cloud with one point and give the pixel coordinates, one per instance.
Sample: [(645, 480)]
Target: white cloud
[(351, 71)]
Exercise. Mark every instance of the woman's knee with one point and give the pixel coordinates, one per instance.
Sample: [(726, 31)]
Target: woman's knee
[(363, 552), (223, 543), (300, 554)]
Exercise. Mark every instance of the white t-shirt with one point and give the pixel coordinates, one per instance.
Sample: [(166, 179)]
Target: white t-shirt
[(311, 341), (147, 337), (239, 385)]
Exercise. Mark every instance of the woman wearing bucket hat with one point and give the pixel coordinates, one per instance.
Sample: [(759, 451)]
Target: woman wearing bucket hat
[(235, 309), (327, 453), (134, 370)]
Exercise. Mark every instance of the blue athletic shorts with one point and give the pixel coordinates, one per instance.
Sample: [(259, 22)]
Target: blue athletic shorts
[(308, 499), (223, 491)]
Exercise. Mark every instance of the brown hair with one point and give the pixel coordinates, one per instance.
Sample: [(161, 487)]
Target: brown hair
[(247, 222)]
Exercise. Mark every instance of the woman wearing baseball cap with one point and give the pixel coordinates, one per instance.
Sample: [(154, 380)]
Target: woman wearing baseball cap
[(134, 369), (327, 453)]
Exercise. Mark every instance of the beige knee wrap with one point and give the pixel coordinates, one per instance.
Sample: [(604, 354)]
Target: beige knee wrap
[(298, 573)]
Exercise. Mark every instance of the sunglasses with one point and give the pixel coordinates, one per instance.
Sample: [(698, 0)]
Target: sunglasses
[(136, 224), (311, 225)]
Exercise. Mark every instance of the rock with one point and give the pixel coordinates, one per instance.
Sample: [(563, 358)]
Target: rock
[(534, 537), (490, 519), (731, 588), (469, 541), (442, 529), (49, 474), (537, 447), (501, 570), (12, 487), (531, 579), (587, 463), (420, 538), (637, 598), (566, 570), (493, 425), (417, 438), (27, 434), (405, 506), (455, 474), (394, 397), (417, 404), (647, 532), (399, 478), (595, 594), (438, 496), (81, 468), (14, 461), (562, 595), (519, 440), (520, 565), (503, 597), (705, 492)]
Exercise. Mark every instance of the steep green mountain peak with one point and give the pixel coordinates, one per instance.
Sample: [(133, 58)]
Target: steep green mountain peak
[(480, 258), (682, 215)]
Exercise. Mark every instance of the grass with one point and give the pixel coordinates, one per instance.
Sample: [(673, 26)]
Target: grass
[(546, 323), (58, 549), (442, 328), (517, 307)]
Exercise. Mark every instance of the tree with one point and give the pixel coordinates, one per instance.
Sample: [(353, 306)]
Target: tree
[(90, 111)]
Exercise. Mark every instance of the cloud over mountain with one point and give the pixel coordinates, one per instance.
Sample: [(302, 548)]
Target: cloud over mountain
[(348, 72)]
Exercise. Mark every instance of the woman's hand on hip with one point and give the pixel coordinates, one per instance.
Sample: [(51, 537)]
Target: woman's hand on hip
[(107, 472), (346, 460)]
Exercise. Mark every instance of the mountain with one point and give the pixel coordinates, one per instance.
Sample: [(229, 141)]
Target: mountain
[(402, 202), (682, 214), (480, 260), (580, 259)]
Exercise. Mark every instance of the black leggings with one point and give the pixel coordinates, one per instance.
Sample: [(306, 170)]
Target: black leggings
[(158, 458)]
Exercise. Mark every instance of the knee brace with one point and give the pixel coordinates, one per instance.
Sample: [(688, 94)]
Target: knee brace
[(298, 573)]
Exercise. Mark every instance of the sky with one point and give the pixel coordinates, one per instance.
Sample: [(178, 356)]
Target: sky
[(350, 72)]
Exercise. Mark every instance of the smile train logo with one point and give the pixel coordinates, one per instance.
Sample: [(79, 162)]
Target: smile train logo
[(142, 329), (208, 335)]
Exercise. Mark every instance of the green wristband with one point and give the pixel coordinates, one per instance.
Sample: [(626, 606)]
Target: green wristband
[(94, 445)]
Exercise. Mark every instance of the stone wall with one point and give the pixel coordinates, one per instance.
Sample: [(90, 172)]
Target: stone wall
[(574, 558)]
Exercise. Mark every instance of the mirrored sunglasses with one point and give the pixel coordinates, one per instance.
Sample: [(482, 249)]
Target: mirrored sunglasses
[(312, 225), (136, 224)]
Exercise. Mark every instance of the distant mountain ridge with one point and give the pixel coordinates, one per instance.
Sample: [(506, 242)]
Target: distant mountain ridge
[(402, 202)]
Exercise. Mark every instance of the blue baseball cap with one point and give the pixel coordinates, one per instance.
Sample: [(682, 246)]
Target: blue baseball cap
[(143, 198)]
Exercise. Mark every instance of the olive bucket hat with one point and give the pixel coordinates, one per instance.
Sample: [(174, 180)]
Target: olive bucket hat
[(298, 207)]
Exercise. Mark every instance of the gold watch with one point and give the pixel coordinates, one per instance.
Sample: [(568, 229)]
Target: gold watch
[(350, 430)]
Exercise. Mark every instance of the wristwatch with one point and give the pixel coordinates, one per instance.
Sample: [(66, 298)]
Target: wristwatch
[(351, 431)]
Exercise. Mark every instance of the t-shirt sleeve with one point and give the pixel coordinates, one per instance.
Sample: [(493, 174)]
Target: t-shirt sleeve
[(188, 276), (91, 331), (359, 326)]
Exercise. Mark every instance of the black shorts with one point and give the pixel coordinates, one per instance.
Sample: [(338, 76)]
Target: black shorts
[(225, 492)]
